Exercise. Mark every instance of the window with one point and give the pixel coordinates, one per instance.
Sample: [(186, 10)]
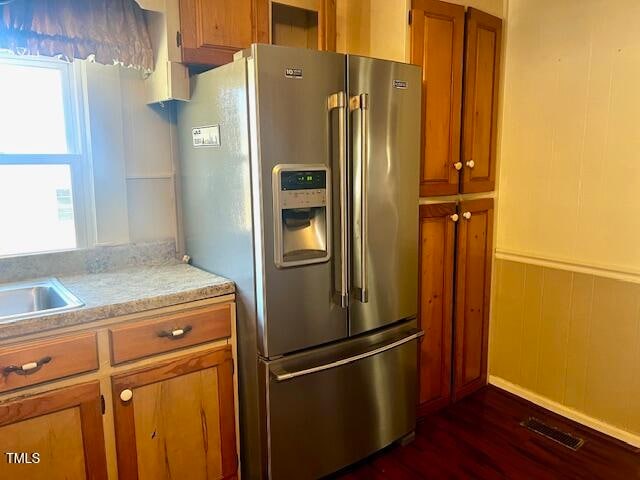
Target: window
[(41, 161)]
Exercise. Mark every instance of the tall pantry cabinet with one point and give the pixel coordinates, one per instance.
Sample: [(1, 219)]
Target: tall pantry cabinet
[(459, 50), (460, 57)]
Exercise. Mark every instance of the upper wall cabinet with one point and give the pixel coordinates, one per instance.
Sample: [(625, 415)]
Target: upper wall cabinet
[(304, 23), (480, 104), (437, 38), (213, 30), (461, 65)]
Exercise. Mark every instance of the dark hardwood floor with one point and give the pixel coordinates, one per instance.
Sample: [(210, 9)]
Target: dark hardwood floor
[(481, 437)]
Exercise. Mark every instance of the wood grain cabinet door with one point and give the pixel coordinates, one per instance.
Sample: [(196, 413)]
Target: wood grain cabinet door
[(64, 427), (437, 38), (480, 102), (176, 420), (437, 243), (213, 30), (473, 294), (327, 29)]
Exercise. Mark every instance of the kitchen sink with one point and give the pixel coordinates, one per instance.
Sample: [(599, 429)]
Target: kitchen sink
[(31, 299)]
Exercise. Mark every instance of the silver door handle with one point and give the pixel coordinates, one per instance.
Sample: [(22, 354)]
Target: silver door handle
[(283, 375), (337, 102), (361, 102)]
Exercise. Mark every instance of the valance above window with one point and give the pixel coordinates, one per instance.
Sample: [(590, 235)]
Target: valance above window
[(107, 31)]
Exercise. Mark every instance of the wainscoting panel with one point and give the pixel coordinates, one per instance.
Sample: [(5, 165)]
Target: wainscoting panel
[(572, 338)]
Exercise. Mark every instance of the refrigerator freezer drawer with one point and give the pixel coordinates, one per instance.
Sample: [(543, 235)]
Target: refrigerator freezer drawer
[(329, 413)]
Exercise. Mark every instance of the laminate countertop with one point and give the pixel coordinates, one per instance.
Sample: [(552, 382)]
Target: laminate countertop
[(123, 292)]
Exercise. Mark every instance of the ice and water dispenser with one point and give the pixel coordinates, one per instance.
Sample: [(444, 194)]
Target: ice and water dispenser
[(301, 204)]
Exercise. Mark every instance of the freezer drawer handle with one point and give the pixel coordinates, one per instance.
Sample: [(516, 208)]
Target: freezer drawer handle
[(284, 375)]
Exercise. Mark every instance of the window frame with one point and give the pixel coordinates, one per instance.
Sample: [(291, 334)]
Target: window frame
[(76, 128)]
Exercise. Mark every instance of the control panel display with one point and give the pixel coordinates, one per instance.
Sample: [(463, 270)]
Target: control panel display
[(303, 180)]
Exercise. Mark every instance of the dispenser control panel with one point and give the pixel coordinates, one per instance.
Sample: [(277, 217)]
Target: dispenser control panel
[(301, 214), (303, 188), (303, 180)]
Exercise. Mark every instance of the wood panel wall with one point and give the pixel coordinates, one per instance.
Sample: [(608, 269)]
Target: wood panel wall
[(573, 338)]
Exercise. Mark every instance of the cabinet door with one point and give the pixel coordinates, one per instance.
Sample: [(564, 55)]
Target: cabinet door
[(480, 103), (473, 294), (176, 419), (437, 37), (63, 426), (327, 25), (437, 243), (213, 30)]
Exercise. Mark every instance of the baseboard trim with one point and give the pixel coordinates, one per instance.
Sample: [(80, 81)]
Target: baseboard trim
[(570, 413)]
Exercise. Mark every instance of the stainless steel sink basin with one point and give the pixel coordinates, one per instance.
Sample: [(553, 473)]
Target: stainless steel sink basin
[(31, 299)]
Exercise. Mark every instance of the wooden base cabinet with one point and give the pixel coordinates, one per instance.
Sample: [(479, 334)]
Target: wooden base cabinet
[(176, 420), (58, 435), (460, 57), (159, 404), (472, 296), (455, 281), (437, 253)]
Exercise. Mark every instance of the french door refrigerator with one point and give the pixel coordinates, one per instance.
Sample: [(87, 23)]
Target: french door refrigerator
[(300, 183)]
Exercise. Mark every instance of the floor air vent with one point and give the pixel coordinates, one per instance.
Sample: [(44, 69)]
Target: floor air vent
[(552, 433)]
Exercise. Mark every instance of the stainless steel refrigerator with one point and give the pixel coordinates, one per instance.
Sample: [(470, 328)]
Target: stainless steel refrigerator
[(300, 173)]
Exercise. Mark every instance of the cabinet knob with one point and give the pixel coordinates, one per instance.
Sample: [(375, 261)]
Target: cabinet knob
[(467, 215), (454, 217), (126, 395), (471, 164), (457, 165)]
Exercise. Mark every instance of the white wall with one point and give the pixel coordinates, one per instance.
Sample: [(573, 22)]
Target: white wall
[(565, 327), (375, 28), (133, 150), (569, 171)]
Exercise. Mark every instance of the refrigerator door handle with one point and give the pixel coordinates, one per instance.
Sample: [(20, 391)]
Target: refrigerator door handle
[(361, 102), (280, 374), (337, 102)]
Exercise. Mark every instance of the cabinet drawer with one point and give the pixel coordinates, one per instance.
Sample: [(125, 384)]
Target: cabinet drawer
[(36, 362), (163, 334)]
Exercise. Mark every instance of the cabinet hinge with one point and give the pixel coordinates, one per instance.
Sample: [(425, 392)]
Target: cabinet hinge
[(103, 405), (410, 17), (178, 38)]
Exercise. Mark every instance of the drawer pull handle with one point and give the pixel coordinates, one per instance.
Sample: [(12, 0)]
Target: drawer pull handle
[(176, 333), (27, 368)]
